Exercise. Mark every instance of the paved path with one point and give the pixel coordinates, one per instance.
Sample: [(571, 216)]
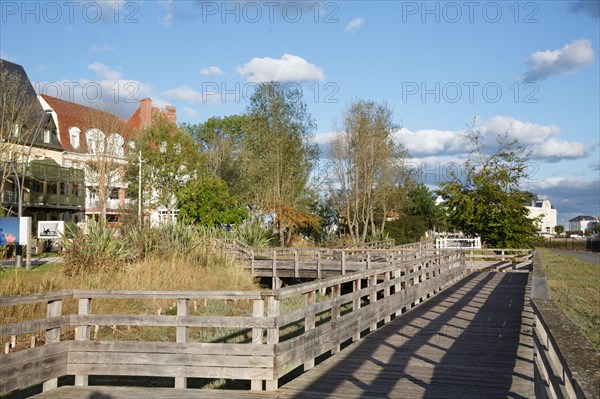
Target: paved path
[(470, 341), (590, 257)]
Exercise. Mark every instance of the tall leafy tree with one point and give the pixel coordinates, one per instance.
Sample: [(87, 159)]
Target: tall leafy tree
[(278, 155), (208, 202), (220, 141), (366, 169), (485, 199), (170, 159)]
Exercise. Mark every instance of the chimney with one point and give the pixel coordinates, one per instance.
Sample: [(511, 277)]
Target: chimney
[(170, 112), (146, 111)]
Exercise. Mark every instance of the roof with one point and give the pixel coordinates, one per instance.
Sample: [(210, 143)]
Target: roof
[(582, 218), (70, 114), (36, 120)]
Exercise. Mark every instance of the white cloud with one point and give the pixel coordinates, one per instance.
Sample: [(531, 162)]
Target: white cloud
[(567, 60), (211, 71), (190, 113), (110, 92), (431, 142), (542, 140), (289, 68), (184, 93), (105, 71), (169, 6), (103, 48), (355, 24)]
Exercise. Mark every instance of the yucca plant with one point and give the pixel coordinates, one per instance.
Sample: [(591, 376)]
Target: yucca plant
[(94, 250), (255, 234)]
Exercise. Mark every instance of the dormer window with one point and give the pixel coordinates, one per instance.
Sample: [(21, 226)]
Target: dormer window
[(115, 145), (74, 133), (95, 141), (16, 130), (46, 136)]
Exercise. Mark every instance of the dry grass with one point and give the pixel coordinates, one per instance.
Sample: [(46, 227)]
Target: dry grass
[(214, 271), (575, 287)]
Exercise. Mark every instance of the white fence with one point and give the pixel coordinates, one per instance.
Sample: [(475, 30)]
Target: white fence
[(444, 242)]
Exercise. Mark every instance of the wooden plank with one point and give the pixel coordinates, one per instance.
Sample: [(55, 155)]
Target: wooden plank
[(174, 321), (191, 348)]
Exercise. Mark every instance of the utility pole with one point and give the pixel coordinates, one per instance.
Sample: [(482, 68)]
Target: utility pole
[(141, 217)]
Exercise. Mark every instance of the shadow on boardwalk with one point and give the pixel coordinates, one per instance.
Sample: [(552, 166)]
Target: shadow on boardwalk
[(465, 342)]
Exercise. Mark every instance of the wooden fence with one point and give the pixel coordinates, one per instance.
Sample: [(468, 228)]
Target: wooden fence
[(273, 341)]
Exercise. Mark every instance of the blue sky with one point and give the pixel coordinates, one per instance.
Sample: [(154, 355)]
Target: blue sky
[(528, 67)]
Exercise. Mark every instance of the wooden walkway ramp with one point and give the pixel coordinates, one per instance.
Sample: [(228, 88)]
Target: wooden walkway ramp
[(472, 340)]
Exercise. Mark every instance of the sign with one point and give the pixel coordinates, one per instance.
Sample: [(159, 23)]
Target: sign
[(14, 231), (51, 229)]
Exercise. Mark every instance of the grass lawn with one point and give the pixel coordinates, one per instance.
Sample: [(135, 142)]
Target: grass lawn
[(575, 287)]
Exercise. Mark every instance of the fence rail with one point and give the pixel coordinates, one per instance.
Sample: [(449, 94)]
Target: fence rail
[(274, 341)]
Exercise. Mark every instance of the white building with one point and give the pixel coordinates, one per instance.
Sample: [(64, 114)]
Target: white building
[(546, 213), (580, 223)]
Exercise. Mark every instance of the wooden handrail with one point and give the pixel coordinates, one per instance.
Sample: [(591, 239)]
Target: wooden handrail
[(263, 358)]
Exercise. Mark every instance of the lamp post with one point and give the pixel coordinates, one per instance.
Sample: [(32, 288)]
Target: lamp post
[(20, 187)]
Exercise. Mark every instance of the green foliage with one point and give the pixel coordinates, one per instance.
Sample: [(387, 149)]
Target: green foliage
[(220, 141), (95, 251), (255, 234), (170, 158), (207, 202), (486, 200), (407, 229), (278, 154), (559, 229)]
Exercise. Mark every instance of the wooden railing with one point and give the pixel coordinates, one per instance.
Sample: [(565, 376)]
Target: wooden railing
[(566, 364), (326, 262), (262, 346)]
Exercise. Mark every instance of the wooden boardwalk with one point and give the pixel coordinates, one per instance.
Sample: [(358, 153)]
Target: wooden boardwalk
[(472, 340)]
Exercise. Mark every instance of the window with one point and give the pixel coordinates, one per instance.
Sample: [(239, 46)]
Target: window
[(95, 141), (115, 145), (16, 130), (46, 136), (114, 194), (74, 133)]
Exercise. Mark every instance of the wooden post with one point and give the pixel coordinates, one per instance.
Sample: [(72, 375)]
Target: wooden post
[(296, 274), (357, 303), (182, 336), (258, 310), (386, 293), (343, 262), (319, 264), (335, 313), (309, 324), (52, 336), (274, 259), (368, 260), (252, 261), (82, 333), (272, 338), (373, 298)]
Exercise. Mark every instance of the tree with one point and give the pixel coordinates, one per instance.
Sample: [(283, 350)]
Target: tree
[(418, 213), (277, 156), (170, 158), (559, 229), (220, 141), (366, 169), (208, 202), (105, 163), (486, 200)]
